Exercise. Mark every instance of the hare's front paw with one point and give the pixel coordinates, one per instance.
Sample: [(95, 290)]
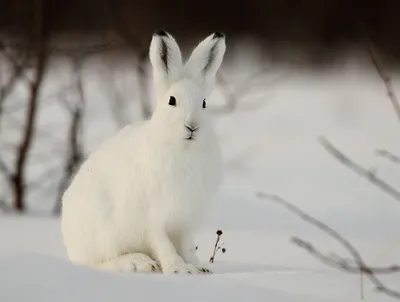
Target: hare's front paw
[(181, 268), (186, 268), (132, 262), (203, 270)]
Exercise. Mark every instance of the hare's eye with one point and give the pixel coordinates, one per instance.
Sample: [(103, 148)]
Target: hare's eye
[(204, 104), (172, 101)]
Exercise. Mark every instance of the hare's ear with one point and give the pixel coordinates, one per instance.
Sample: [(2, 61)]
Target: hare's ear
[(205, 61), (166, 59)]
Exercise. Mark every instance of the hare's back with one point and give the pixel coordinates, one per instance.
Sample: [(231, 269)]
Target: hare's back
[(106, 166)]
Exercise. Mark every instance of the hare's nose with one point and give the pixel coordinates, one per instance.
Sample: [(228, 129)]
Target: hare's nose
[(191, 128)]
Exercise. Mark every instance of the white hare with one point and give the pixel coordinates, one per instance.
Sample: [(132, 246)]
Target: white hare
[(136, 203)]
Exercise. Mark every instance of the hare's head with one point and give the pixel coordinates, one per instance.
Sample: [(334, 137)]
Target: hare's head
[(182, 89)]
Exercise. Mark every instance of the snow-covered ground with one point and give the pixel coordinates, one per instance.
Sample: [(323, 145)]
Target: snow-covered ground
[(273, 149)]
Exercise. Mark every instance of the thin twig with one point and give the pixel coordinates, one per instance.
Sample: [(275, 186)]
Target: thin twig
[(19, 65), (339, 238), (388, 155), (7, 88), (341, 263), (16, 74), (371, 177), (376, 61)]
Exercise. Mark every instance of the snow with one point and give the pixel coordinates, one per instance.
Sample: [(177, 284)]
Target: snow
[(272, 149), (58, 279), (33, 268)]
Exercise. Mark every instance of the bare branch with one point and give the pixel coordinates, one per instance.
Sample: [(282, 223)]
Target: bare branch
[(371, 177), (7, 88), (298, 212), (29, 131), (376, 61), (335, 235), (388, 155), (341, 263), (17, 72), (19, 65), (75, 155)]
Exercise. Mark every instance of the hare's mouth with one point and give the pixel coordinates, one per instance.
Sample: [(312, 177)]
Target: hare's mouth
[(192, 130), (190, 137)]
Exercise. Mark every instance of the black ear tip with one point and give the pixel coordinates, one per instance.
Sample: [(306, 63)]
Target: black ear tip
[(161, 32), (218, 35)]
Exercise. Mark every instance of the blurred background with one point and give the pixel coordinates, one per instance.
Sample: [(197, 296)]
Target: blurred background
[(74, 72)]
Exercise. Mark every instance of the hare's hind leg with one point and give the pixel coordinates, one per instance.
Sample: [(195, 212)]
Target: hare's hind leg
[(131, 262)]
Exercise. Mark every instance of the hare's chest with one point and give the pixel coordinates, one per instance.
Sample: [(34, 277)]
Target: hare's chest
[(193, 172), (184, 186)]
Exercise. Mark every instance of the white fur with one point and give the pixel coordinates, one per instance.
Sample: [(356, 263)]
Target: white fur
[(136, 202)]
